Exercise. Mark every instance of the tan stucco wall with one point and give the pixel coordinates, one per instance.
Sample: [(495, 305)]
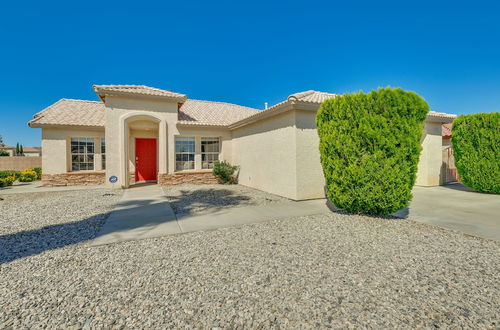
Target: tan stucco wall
[(310, 178), (55, 144), (431, 157), (266, 154)]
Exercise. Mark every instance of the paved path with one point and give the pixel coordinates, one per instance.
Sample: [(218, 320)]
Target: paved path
[(145, 213), (459, 208)]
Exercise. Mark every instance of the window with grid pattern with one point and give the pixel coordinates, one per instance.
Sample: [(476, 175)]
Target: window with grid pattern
[(210, 149), (103, 154), (184, 153), (82, 154)]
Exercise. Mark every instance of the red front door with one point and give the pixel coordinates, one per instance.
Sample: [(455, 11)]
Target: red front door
[(145, 159)]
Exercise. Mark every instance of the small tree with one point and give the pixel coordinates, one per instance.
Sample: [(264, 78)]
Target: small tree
[(1, 142), (369, 147), (17, 149), (476, 147), (21, 151)]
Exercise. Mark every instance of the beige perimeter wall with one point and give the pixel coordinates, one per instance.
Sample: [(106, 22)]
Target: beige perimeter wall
[(19, 163)]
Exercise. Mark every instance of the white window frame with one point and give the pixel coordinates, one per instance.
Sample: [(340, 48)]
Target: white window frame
[(85, 154), (185, 138), (211, 153)]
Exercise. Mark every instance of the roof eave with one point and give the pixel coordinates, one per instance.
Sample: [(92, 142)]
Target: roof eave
[(198, 125), (88, 127), (290, 104), (102, 93), (433, 118)]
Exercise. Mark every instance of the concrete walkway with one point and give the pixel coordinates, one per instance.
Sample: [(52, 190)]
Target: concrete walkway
[(36, 187), (459, 208), (144, 212)]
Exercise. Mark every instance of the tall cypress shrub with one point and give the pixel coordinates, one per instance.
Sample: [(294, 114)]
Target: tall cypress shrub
[(370, 146), (476, 146)]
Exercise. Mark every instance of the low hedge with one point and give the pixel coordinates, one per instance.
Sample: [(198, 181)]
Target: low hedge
[(476, 147), (7, 181), (28, 175), (369, 148), (4, 174)]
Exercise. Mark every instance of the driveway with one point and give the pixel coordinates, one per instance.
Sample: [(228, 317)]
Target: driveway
[(457, 207)]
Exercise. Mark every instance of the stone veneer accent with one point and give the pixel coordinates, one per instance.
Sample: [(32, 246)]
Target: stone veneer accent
[(191, 177), (74, 179), (131, 177)]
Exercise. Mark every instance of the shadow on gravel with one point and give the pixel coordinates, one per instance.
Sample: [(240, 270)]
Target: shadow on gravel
[(206, 200), (31, 242)]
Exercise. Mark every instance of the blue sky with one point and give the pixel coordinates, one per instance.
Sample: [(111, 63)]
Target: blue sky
[(246, 52)]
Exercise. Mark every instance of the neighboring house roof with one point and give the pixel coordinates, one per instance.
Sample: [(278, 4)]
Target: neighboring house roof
[(31, 149), (446, 131), (68, 112), (6, 147), (136, 90), (209, 113)]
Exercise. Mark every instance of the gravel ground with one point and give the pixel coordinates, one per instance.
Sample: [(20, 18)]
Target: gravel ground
[(212, 198), (332, 270), (35, 222)]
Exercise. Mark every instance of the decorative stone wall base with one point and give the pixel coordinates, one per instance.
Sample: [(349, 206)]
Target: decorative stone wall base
[(193, 177), (73, 179)]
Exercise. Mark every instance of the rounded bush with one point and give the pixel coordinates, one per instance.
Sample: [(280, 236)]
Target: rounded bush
[(476, 146), (224, 171), (369, 147)]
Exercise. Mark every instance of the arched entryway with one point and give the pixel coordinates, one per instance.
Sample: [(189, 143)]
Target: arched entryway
[(144, 154)]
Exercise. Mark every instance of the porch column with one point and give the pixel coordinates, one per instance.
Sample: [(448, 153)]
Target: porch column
[(162, 147)]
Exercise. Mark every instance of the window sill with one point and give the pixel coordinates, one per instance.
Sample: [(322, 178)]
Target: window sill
[(193, 171), (85, 172)]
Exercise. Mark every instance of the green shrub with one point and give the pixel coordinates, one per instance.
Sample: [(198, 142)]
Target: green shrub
[(369, 147), (4, 153), (27, 175), (15, 174), (38, 171), (476, 146), (7, 181), (225, 172)]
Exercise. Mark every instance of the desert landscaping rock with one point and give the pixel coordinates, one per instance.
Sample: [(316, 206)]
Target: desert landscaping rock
[(211, 198), (331, 270)]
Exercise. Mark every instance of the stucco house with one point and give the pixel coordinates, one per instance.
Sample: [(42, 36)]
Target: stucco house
[(139, 133)]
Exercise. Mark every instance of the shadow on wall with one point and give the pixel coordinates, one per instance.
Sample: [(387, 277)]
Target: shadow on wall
[(206, 200), (32, 242)]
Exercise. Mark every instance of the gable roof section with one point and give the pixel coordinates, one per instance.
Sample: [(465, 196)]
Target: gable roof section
[(69, 112), (307, 97), (208, 113), (137, 90)]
